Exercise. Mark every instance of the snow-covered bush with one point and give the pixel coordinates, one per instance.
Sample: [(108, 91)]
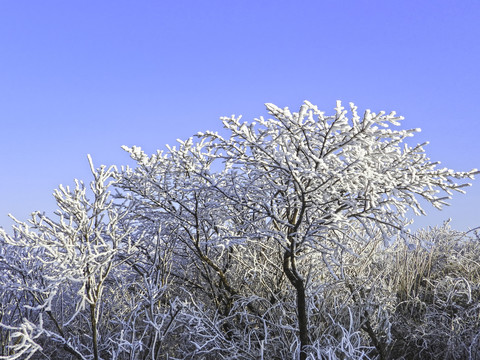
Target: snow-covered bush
[(277, 241), (57, 270), (437, 308), (314, 189)]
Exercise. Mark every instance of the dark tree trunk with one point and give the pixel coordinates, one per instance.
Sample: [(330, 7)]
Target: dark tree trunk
[(299, 285), (94, 331)]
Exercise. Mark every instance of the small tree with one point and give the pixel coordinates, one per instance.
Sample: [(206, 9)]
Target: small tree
[(316, 185), (60, 267)]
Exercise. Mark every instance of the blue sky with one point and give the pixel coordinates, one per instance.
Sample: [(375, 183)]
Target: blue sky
[(79, 77)]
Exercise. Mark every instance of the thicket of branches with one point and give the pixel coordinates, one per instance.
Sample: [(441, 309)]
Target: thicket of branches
[(288, 239)]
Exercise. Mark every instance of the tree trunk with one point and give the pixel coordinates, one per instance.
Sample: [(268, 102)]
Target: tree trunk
[(298, 283), (94, 331), (302, 319)]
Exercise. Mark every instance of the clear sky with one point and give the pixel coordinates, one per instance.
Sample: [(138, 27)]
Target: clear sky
[(79, 77)]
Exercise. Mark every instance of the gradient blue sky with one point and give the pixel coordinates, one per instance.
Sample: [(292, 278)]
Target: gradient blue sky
[(79, 77)]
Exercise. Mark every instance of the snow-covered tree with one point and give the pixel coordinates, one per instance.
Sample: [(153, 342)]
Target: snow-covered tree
[(268, 242), (319, 187), (58, 268)]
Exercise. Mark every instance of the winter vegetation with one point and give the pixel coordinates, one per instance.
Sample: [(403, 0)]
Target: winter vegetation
[(287, 238)]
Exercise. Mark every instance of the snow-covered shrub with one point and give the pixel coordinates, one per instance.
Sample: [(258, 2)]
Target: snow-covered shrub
[(314, 189), (276, 241), (437, 314)]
